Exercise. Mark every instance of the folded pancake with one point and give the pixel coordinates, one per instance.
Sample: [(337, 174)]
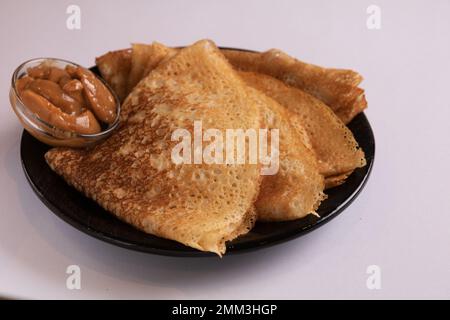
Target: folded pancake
[(115, 67), (132, 175), (335, 147), (296, 190), (337, 88), (144, 58)]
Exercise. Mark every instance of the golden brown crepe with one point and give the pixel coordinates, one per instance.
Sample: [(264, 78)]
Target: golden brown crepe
[(337, 88), (335, 147), (297, 188), (115, 67), (144, 58), (132, 173)]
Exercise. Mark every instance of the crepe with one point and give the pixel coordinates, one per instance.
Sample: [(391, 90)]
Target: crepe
[(115, 67), (144, 58), (337, 88), (335, 147), (296, 190), (132, 175)]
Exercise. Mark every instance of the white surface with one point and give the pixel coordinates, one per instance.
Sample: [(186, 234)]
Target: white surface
[(401, 221)]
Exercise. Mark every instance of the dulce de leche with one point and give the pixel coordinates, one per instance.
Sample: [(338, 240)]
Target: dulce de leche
[(70, 98)]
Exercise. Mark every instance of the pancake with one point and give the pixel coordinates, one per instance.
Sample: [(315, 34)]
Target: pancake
[(296, 190), (115, 67), (335, 147), (132, 175), (337, 88), (144, 58)]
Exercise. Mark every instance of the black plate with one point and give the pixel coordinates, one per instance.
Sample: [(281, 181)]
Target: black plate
[(88, 217)]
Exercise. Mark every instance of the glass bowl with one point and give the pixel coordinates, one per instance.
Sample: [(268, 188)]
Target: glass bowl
[(46, 132)]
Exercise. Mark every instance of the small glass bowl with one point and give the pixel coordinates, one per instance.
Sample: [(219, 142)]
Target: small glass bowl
[(45, 132)]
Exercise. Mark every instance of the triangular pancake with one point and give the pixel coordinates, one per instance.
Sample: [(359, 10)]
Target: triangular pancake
[(333, 143), (296, 190), (144, 58), (337, 88), (132, 173), (115, 67)]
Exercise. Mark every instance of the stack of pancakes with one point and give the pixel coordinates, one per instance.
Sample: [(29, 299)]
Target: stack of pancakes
[(132, 175)]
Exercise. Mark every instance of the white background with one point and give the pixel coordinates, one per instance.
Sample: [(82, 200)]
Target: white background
[(401, 221)]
